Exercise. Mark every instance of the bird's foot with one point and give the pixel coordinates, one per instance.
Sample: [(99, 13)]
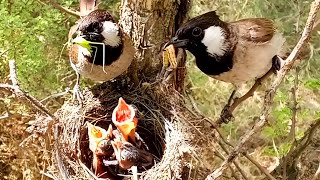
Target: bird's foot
[(77, 94), (226, 116), (276, 64)]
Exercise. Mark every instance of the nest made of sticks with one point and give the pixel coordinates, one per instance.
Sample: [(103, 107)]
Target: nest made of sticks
[(162, 124)]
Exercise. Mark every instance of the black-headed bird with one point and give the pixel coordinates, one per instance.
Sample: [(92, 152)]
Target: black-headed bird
[(100, 50), (234, 52)]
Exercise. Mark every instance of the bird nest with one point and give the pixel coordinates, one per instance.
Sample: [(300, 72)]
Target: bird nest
[(163, 125)]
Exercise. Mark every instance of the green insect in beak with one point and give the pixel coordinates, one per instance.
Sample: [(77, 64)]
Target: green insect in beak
[(82, 42)]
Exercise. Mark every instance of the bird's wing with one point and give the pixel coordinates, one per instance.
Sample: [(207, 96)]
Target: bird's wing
[(73, 54), (256, 30)]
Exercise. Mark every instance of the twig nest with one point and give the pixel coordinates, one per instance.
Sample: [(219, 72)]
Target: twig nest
[(166, 140)]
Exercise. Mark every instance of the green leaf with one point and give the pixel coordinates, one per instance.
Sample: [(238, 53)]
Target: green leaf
[(312, 84)]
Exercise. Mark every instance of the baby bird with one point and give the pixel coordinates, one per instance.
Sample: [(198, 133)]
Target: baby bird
[(128, 155)]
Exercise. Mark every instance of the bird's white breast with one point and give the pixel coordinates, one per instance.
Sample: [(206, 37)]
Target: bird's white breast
[(252, 61)]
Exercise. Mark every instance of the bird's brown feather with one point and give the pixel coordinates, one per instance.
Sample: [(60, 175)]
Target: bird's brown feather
[(94, 16), (257, 30), (73, 53)]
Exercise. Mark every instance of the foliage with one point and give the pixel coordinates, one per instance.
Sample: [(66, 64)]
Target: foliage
[(34, 34)]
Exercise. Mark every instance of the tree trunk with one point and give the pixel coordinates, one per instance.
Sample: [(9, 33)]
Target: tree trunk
[(150, 23)]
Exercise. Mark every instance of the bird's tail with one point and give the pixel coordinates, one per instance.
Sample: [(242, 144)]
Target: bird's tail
[(86, 6)]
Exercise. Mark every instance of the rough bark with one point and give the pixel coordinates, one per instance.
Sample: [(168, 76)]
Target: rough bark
[(150, 23)]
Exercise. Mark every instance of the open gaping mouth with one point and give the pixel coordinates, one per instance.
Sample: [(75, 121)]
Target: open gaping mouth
[(123, 117)]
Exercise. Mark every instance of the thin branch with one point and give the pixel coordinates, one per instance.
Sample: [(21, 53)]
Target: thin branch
[(270, 93), (56, 95), (13, 73), (305, 140), (61, 8), (258, 165), (233, 173), (316, 175), (261, 168), (291, 159), (236, 164), (3, 52), (5, 116), (7, 113), (15, 89), (294, 109)]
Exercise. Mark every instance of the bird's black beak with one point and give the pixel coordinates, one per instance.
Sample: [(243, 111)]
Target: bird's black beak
[(89, 36), (178, 43)]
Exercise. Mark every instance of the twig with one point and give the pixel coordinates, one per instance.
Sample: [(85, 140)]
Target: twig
[(291, 159), (236, 164), (134, 170), (271, 93), (15, 89), (316, 175), (261, 168), (56, 95), (3, 52), (61, 8), (7, 113), (58, 156), (233, 173), (292, 133), (49, 175), (305, 140), (5, 116), (13, 73)]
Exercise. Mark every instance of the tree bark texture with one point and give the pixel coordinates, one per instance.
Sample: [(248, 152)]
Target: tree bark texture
[(150, 23)]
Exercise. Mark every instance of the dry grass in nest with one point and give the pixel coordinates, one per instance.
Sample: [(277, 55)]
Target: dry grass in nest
[(162, 124)]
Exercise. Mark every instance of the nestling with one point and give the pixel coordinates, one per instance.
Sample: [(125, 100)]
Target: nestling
[(124, 118), (128, 155), (234, 52), (101, 147), (100, 51)]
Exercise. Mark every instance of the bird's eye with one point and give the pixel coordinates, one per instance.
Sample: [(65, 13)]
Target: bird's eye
[(74, 35), (196, 32), (122, 157)]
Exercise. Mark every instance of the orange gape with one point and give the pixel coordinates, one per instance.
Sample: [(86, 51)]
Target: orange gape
[(124, 119), (123, 113), (96, 132)]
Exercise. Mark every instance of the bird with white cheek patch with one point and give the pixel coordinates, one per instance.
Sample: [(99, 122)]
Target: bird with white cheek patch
[(100, 51), (234, 52)]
